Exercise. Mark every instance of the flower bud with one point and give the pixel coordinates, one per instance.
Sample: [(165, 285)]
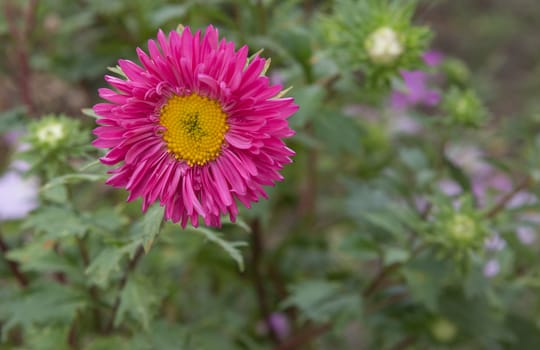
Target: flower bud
[(384, 46), (51, 133), (443, 330), (462, 228), (464, 107)]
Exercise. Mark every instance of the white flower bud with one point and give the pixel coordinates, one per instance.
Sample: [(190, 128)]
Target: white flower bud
[(51, 134), (384, 46)]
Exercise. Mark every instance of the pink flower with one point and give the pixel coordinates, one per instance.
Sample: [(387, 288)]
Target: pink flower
[(196, 127), (432, 58), (492, 268), (416, 92), (526, 235)]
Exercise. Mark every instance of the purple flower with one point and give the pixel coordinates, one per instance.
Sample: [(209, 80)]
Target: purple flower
[(18, 196), (495, 243), (432, 58), (526, 234), (280, 324), (449, 187), (416, 91), (492, 268)]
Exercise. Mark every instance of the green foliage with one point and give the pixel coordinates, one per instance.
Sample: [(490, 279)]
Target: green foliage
[(376, 37), (395, 227)]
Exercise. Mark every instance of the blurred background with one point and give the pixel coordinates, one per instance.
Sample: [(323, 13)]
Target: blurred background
[(365, 245)]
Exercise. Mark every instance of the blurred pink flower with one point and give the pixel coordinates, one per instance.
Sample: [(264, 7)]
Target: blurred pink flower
[(416, 92), (18, 195), (432, 57), (495, 243), (279, 323), (526, 234), (449, 187), (491, 268)]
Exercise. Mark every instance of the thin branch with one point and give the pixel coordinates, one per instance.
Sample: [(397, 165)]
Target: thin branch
[(93, 290), (121, 285), (13, 265), (378, 280), (20, 39), (257, 248), (508, 197), (30, 18)]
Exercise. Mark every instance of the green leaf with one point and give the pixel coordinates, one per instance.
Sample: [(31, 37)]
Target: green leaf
[(108, 262), (40, 256), (322, 301), (89, 112), (310, 100), (339, 133), (46, 338), (230, 248), (46, 304), (56, 222), (167, 13), (395, 255), (163, 336), (106, 220), (118, 71), (136, 301), (56, 194), (458, 174), (147, 229), (107, 343), (73, 179), (426, 276)]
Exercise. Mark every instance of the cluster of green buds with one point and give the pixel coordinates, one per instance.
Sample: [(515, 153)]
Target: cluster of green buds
[(52, 141), (376, 37), (458, 228), (463, 107)]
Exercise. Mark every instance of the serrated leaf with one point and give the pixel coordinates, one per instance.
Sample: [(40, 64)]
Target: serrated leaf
[(163, 336), (56, 222), (47, 304), (230, 248), (40, 257), (108, 262), (136, 302), (147, 229), (105, 219)]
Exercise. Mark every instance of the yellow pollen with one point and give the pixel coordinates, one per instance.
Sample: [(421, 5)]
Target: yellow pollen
[(195, 128)]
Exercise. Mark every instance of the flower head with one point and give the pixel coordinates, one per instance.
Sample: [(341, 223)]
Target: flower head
[(196, 127)]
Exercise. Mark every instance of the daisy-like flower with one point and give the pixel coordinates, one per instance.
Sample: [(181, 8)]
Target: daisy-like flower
[(196, 127)]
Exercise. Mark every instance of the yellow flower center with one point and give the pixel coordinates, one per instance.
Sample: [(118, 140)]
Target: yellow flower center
[(195, 128)]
